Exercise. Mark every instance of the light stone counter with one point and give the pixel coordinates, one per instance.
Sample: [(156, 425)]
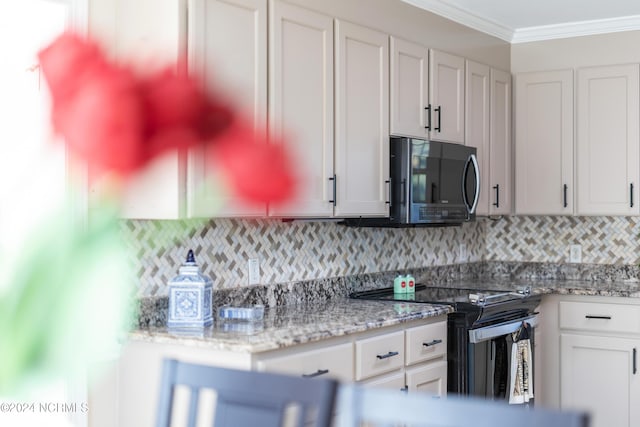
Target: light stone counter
[(285, 326), (325, 311)]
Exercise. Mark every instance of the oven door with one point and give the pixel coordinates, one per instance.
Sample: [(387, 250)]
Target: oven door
[(489, 355)]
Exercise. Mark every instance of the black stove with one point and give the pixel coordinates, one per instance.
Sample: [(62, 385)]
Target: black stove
[(483, 306), (483, 317)]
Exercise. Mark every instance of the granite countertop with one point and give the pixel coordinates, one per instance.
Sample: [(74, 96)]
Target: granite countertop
[(285, 326), (625, 289), (314, 320)]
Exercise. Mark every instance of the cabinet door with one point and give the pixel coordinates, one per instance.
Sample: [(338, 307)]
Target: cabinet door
[(598, 374), (158, 191), (544, 143), (477, 125), (607, 143), (228, 49), (446, 92), (430, 378), (301, 103), (500, 181), (362, 121), (394, 381), (409, 89)]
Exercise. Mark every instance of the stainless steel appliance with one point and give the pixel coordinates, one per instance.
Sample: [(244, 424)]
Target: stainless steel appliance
[(478, 332), (431, 183)]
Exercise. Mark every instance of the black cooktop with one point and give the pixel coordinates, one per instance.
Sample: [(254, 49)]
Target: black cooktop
[(445, 295)]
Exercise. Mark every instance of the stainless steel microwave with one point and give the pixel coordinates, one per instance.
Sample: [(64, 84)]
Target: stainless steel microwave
[(432, 183)]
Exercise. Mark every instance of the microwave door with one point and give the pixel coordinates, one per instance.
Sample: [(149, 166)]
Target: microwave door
[(471, 184)]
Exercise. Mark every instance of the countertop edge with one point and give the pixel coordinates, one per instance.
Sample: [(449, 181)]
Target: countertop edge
[(212, 338)]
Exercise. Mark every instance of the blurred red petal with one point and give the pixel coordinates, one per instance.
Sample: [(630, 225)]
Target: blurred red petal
[(173, 100), (171, 138), (103, 122), (179, 114), (216, 118), (258, 171), (65, 61)]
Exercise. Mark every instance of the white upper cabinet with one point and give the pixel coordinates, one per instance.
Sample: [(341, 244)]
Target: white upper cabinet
[(446, 94), (488, 128), (607, 157), (500, 177), (544, 143), (362, 121), (477, 114), (148, 44), (228, 48), (409, 89), (301, 103)]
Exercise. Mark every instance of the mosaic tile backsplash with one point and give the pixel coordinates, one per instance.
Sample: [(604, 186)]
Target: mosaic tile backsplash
[(289, 251), (298, 251), (604, 240)]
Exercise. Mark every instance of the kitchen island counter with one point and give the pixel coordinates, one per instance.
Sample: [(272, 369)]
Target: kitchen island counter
[(289, 325)]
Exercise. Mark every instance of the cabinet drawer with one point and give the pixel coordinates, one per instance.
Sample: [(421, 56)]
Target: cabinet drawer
[(426, 342), (335, 362), (600, 317), (430, 378), (379, 354)]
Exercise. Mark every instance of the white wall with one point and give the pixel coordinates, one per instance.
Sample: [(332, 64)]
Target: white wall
[(574, 52), (404, 20)]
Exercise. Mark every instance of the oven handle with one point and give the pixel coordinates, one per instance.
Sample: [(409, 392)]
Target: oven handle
[(487, 333)]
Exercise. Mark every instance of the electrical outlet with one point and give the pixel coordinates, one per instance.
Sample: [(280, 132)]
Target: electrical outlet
[(254, 271), (575, 253), (463, 255)]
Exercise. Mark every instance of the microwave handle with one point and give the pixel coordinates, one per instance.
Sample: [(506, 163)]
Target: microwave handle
[(404, 196), (476, 170)]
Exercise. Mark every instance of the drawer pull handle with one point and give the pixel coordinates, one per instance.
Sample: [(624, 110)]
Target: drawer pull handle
[(388, 355), (316, 373), (588, 316), (429, 344), (635, 360)]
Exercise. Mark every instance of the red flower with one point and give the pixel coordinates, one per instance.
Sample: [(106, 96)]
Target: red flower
[(118, 122), (259, 171), (96, 105), (178, 112)]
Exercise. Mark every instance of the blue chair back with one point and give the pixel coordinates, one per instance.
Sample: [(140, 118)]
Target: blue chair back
[(247, 398), (358, 406)]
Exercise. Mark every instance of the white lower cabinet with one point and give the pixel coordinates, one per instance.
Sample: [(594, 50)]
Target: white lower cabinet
[(423, 367), (395, 381), (419, 365), (599, 374), (590, 359), (430, 378)]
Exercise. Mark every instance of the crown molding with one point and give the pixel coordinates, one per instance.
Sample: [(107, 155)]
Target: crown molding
[(464, 17), (576, 29), (528, 34)]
